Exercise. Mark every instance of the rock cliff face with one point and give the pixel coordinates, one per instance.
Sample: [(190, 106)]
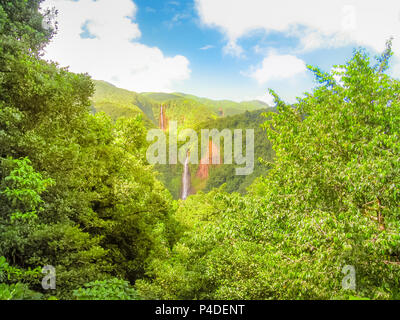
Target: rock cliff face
[(163, 122), (207, 161)]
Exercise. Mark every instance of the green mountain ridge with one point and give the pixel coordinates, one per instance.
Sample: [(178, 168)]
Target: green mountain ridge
[(188, 111), (84, 215), (117, 102), (229, 107)]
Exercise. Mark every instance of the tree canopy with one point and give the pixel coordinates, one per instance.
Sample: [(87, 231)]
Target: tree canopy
[(77, 193)]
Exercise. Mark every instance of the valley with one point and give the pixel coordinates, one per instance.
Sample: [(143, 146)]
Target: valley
[(111, 194), (189, 111)]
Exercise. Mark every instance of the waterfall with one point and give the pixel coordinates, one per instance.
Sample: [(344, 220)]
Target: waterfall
[(162, 126), (186, 177)]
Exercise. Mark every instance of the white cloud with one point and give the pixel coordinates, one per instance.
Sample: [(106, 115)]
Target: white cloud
[(315, 23), (207, 47), (267, 98), (233, 48), (114, 54), (177, 20), (276, 67)]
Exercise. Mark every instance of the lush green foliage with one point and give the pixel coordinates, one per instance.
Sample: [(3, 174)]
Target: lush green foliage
[(228, 107), (15, 282), (225, 174), (171, 175), (118, 103), (77, 193), (86, 201), (187, 110), (112, 289), (23, 187), (329, 200)]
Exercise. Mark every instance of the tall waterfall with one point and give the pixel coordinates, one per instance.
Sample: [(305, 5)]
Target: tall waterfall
[(162, 117), (186, 177)]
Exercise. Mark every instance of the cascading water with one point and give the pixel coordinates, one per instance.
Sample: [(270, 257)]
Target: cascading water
[(162, 125), (186, 177)]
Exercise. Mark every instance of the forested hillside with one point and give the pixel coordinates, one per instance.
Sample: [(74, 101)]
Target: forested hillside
[(227, 107), (225, 174), (217, 175), (116, 102), (76, 191), (224, 107), (187, 110), (329, 202), (78, 194)]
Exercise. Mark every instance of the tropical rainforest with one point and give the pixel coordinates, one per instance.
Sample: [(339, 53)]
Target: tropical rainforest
[(77, 192)]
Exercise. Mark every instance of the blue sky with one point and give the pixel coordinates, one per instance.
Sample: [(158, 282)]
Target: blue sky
[(233, 49), (175, 27)]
